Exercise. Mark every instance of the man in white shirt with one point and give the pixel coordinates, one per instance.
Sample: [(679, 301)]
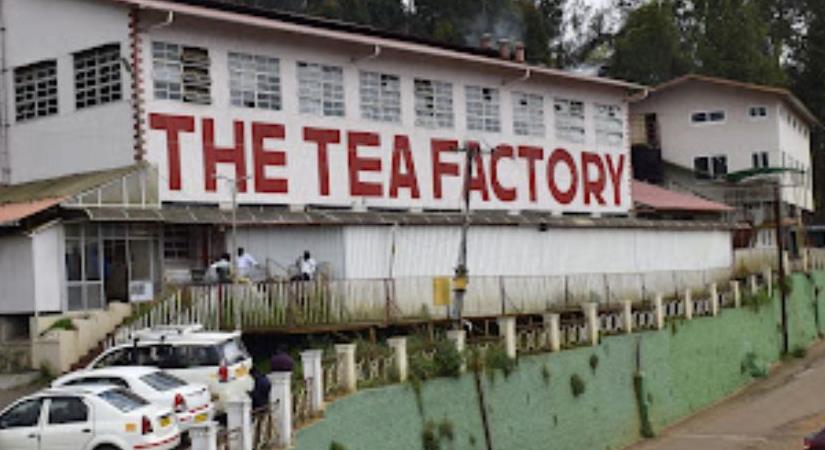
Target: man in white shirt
[(308, 266), (245, 263)]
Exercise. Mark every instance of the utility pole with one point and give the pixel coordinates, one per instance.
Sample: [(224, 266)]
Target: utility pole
[(233, 186), (780, 246), (460, 279)]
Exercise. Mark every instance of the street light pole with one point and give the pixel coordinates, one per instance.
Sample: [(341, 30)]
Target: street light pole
[(780, 246), (460, 278)]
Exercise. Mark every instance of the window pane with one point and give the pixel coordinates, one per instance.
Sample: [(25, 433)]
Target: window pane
[(35, 90), (92, 260), (75, 298), (97, 76), (701, 167), (65, 410), (94, 296), (74, 260), (26, 414)]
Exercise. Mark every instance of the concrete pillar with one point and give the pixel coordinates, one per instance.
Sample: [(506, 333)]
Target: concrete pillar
[(345, 358), (714, 300), (507, 330), (688, 304), (786, 260), (280, 398), (459, 339), (239, 417), (591, 318), (659, 311), (754, 286), (204, 436), (627, 316), (737, 295), (399, 351), (314, 378), (768, 275), (552, 328)]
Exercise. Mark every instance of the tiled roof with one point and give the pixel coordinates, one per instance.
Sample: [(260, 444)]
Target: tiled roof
[(660, 199)]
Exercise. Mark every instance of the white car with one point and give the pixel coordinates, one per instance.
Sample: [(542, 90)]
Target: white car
[(87, 418), (190, 402), (216, 359)]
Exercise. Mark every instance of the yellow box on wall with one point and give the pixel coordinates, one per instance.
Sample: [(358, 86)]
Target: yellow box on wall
[(441, 291)]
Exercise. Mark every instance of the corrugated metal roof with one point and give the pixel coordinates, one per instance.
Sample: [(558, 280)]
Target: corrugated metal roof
[(661, 199), (262, 216), (61, 187)]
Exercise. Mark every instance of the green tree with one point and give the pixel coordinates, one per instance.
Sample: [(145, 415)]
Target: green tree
[(648, 49)]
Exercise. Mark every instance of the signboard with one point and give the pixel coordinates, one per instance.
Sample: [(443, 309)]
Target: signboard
[(306, 160)]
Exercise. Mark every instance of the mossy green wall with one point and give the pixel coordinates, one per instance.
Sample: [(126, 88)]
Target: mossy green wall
[(687, 366)]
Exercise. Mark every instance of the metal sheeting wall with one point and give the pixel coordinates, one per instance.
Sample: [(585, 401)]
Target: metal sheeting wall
[(280, 247), (525, 251)]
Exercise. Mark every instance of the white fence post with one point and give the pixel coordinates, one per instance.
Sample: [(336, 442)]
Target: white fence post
[(280, 398), (507, 330), (459, 338), (239, 423), (591, 318), (314, 377), (345, 357), (737, 295), (659, 311), (714, 300), (204, 436), (753, 284), (552, 326), (627, 316), (768, 280), (399, 349), (688, 304)]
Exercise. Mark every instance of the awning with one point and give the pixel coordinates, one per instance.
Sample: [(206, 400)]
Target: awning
[(11, 213), (270, 216), (660, 199)]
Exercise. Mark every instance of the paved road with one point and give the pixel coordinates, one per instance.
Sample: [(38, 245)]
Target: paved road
[(775, 413)]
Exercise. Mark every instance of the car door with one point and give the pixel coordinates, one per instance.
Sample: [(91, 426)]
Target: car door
[(20, 426), (67, 424)]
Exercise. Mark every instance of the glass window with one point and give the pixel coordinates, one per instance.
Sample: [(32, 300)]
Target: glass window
[(569, 120), (234, 351), (162, 381), (122, 399), (433, 104), (181, 73), (701, 167), (380, 96), (758, 112), (254, 81), (35, 90), (24, 414), (716, 116), (609, 124), (113, 381), (699, 117), (760, 160), (320, 89), (720, 166), (66, 410), (483, 109), (74, 258), (528, 114), (97, 76)]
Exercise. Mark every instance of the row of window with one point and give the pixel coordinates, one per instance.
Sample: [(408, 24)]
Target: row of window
[(97, 80), (710, 167), (181, 73), (719, 116)]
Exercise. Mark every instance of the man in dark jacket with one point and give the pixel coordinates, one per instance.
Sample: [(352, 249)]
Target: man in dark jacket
[(261, 389)]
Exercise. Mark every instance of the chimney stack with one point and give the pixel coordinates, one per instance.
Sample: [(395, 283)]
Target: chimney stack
[(486, 41), (504, 49), (519, 52)]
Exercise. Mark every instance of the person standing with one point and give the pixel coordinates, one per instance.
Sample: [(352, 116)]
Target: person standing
[(245, 263), (308, 267), (222, 269)]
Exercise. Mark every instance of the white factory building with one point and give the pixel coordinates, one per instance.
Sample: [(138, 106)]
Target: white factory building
[(126, 122)]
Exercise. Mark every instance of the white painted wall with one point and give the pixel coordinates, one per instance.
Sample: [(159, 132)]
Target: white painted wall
[(525, 251), (280, 247), (48, 254), (17, 285), (72, 141), (301, 172), (795, 141), (737, 138)]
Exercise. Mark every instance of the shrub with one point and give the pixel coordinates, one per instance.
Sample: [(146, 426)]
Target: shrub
[(429, 439), (447, 359), (496, 358), (577, 385), (335, 445), (545, 374), (446, 430), (594, 362), (799, 352), (62, 324)]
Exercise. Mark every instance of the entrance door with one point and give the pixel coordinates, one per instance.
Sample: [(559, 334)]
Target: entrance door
[(116, 270)]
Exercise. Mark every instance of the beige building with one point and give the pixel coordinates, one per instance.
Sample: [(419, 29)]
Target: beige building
[(690, 133)]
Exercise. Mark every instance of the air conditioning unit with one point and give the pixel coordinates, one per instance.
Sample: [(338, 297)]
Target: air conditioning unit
[(141, 291)]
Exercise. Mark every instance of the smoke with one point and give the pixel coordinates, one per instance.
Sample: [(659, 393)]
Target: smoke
[(505, 24)]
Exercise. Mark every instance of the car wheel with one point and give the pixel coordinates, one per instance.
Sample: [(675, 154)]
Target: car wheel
[(106, 447)]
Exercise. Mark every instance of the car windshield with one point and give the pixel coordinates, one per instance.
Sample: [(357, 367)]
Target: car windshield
[(123, 400), (234, 351), (162, 381)]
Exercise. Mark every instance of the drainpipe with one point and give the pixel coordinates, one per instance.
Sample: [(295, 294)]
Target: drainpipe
[(5, 111)]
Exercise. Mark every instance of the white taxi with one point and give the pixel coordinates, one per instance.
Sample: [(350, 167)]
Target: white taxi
[(217, 359), (190, 402), (87, 418)]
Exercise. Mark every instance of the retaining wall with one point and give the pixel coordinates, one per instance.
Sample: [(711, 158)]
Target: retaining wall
[(686, 367)]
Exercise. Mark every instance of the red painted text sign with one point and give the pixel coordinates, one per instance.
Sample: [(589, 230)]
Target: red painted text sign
[(324, 165)]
